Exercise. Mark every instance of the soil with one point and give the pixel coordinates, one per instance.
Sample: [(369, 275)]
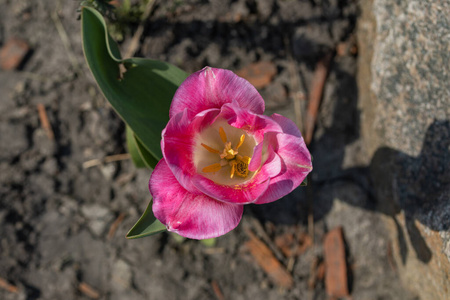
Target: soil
[(56, 213)]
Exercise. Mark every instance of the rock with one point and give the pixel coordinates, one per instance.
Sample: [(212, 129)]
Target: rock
[(98, 217), (367, 248), (108, 170), (121, 275), (46, 146), (265, 8), (405, 105), (50, 166), (14, 140)]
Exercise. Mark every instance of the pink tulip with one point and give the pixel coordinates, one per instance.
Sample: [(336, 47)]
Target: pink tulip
[(220, 152)]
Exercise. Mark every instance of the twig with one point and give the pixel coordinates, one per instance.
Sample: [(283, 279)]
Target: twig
[(88, 290), (290, 264), (310, 201), (262, 233), (7, 286), (112, 158), (217, 291), (117, 157), (44, 121), (134, 44), (313, 273), (114, 225), (318, 83), (65, 40)]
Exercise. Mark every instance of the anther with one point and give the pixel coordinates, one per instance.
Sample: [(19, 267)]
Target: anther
[(241, 141), (223, 135), (212, 168)]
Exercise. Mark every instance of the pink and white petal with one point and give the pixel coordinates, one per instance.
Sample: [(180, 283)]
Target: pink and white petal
[(273, 165), (212, 88), (239, 194), (287, 125), (178, 144), (256, 160), (189, 215), (296, 164), (245, 119)]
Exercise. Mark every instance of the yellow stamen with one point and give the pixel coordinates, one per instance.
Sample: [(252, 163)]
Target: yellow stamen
[(241, 141), (244, 159), (212, 168), (212, 150), (233, 168), (223, 136), (229, 157)]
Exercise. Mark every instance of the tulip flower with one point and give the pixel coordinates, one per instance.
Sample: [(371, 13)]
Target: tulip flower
[(219, 153)]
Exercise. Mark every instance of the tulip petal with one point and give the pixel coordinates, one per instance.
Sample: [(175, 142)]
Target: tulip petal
[(212, 88), (256, 160), (287, 125), (238, 194), (178, 143), (189, 215), (296, 164), (245, 119)]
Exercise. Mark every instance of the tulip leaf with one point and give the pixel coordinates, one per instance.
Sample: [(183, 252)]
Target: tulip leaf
[(133, 149), (148, 159), (304, 182), (140, 90), (209, 242), (146, 225), (139, 154)]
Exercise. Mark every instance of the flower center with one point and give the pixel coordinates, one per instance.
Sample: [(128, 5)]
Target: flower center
[(222, 153), (229, 156)]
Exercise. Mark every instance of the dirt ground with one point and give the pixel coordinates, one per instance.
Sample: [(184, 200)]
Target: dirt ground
[(56, 212)]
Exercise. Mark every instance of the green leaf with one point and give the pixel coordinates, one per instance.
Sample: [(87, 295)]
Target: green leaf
[(148, 159), (139, 154), (133, 149), (209, 242), (146, 225), (142, 94), (304, 182)]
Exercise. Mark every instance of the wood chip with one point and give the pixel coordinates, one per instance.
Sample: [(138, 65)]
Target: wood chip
[(7, 286), (13, 54), (336, 282), (217, 291), (88, 290), (259, 74), (44, 121), (268, 262), (315, 95), (292, 245)]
